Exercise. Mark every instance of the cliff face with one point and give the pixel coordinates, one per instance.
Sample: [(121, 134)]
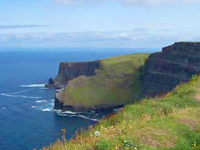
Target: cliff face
[(71, 70), (100, 85), (120, 80), (175, 64)]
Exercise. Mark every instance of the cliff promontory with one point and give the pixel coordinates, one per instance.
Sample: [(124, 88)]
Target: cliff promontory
[(71, 70), (167, 122), (175, 64), (99, 85), (121, 80)]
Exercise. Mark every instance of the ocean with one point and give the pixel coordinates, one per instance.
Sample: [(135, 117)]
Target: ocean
[(27, 118)]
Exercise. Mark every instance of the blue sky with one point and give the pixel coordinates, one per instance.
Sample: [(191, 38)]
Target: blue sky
[(98, 23)]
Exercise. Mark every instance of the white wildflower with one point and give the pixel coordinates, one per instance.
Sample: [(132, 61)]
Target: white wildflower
[(97, 133)]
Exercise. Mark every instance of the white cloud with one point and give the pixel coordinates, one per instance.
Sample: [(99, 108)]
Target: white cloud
[(111, 39), (126, 2)]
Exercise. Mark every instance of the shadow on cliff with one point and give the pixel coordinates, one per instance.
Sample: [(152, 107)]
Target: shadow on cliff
[(176, 64)]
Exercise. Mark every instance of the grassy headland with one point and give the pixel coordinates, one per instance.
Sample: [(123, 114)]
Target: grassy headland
[(167, 123), (117, 82)]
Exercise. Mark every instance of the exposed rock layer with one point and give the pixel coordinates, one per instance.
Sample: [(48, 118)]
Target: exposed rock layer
[(114, 81), (175, 64), (98, 85), (71, 70)]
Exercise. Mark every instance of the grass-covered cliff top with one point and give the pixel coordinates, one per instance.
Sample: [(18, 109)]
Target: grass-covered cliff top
[(117, 82), (168, 123), (130, 57)]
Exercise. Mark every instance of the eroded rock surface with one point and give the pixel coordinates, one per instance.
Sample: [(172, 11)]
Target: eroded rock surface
[(98, 85), (71, 70), (175, 64)]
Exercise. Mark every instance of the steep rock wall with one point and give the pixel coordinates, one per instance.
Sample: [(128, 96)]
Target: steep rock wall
[(175, 64), (71, 70), (116, 82)]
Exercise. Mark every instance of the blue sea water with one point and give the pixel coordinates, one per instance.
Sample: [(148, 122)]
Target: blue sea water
[(27, 118)]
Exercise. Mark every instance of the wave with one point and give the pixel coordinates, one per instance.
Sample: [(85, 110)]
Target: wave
[(19, 92), (84, 117), (59, 90), (65, 112), (22, 96), (34, 86), (43, 105), (41, 101), (47, 109), (74, 114)]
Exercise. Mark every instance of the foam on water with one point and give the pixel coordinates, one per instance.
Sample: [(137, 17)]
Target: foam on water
[(84, 117), (44, 105), (68, 112), (47, 109), (58, 90), (34, 86), (41, 101), (74, 114), (21, 96), (20, 91)]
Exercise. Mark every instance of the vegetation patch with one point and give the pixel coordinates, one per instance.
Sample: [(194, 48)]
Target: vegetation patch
[(168, 123), (188, 121), (117, 82), (155, 137)]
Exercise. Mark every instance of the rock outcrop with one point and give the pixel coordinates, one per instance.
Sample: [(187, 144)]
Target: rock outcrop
[(98, 85), (174, 65), (118, 81), (71, 70)]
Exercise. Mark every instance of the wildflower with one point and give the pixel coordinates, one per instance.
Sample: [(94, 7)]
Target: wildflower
[(97, 133), (135, 148)]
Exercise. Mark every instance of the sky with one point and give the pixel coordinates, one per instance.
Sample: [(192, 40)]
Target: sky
[(98, 23)]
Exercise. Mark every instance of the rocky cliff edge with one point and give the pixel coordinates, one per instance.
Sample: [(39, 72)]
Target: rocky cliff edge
[(71, 70), (174, 65), (99, 85)]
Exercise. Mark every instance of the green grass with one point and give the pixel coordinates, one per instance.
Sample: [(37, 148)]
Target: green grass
[(168, 123), (117, 82)]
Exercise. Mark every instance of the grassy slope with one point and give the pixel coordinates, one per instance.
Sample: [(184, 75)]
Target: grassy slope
[(115, 83), (172, 122)]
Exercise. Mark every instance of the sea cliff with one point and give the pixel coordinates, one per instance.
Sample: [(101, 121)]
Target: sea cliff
[(174, 65), (99, 85), (71, 70), (167, 122), (117, 81)]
